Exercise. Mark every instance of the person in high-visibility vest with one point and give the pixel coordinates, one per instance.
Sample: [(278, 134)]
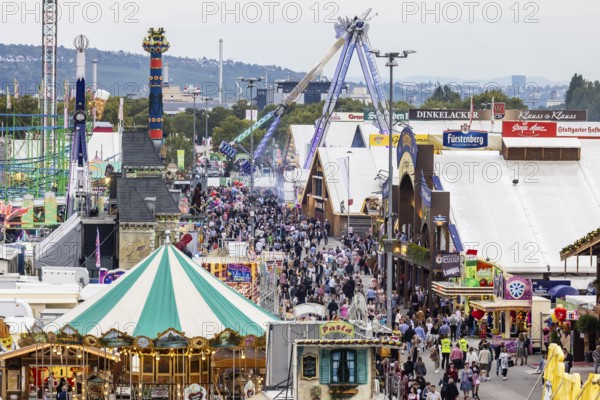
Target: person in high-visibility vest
[(464, 346), (446, 345)]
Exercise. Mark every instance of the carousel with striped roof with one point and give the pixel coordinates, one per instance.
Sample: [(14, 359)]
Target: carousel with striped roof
[(167, 329)]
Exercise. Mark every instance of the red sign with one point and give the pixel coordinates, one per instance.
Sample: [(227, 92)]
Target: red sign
[(499, 110), (528, 129)]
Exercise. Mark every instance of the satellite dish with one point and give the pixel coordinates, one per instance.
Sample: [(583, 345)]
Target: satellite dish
[(82, 277)]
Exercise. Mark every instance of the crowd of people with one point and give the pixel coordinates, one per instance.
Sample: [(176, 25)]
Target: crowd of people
[(460, 365), (328, 272)]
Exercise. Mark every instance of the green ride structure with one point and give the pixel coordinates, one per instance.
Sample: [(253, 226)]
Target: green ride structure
[(34, 159)]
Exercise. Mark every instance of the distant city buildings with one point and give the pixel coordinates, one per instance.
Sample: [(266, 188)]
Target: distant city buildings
[(276, 92), (518, 84)]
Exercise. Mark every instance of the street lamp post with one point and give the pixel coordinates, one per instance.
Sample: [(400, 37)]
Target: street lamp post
[(348, 171), (251, 83), (206, 100), (195, 93), (391, 63)]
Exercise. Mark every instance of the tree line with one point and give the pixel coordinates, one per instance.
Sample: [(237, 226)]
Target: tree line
[(224, 124)]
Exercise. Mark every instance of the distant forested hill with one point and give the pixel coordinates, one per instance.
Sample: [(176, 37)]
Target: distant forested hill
[(124, 73)]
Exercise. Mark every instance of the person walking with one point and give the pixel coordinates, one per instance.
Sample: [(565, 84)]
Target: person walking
[(471, 357), (596, 358), (520, 348), (466, 380), (464, 346), (568, 361), (485, 358), (450, 390), (453, 320), (497, 351), (456, 356), (434, 355), (446, 349), (420, 368), (503, 359), (476, 379), (433, 394)]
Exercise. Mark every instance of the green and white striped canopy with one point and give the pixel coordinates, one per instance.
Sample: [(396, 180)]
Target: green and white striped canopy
[(165, 291)]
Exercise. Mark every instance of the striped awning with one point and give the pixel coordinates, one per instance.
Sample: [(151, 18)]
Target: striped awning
[(166, 291), (500, 305), (452, 289)]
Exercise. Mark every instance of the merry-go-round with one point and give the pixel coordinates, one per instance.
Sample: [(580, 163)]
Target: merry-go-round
[(167, 329)]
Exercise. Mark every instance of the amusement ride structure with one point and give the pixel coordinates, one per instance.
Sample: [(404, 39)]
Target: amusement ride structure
[(80, 181), (351, 34)]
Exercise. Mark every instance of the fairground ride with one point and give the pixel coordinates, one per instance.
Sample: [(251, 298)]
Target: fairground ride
[(31, 162), (351, 34)]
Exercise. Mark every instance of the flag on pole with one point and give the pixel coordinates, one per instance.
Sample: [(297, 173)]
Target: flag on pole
[(120, 109), (16, 84), (492, 113), (471, 113), (8, 102), (98, 263), (471, 252)]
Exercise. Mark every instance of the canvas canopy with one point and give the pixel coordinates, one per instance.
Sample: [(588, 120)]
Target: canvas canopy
[(166, 291)]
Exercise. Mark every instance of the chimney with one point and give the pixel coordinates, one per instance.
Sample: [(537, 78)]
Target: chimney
[(166, 75), (220, 70), (151, 204), (94, 75)]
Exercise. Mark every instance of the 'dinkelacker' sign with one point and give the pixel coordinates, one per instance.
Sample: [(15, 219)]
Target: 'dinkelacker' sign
[(424, 114)]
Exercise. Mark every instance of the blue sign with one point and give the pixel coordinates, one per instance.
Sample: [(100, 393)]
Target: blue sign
[(425, 192), (543, 286), (469, 140), (385, 190), (407, 144), (239, 273), (439, 219)]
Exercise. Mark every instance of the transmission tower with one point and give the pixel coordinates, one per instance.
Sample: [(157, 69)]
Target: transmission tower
[(48, 92)]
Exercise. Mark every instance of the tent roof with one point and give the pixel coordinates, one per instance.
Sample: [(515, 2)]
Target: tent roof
[(166, 290), (555, 203), (562, 291), (365, 164)]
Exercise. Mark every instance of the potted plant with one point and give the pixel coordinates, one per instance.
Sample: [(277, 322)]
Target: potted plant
[(588, 325), (315, 392)]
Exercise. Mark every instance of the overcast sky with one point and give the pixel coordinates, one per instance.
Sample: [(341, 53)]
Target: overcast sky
[(470, 39)]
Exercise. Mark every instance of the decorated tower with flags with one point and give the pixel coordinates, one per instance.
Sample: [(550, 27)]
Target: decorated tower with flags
[(156, 44)]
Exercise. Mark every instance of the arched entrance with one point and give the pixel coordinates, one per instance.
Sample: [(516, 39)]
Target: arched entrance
[(406, 206), (424, 239)]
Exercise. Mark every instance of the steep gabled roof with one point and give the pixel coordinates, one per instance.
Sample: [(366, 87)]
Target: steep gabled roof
[(139, 151), (132, 192)]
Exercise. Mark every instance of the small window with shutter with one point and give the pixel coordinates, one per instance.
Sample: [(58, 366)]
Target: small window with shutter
[(343, 367), (325, 367)]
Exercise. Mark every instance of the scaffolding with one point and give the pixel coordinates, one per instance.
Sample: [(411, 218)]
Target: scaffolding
[(34, 159)]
